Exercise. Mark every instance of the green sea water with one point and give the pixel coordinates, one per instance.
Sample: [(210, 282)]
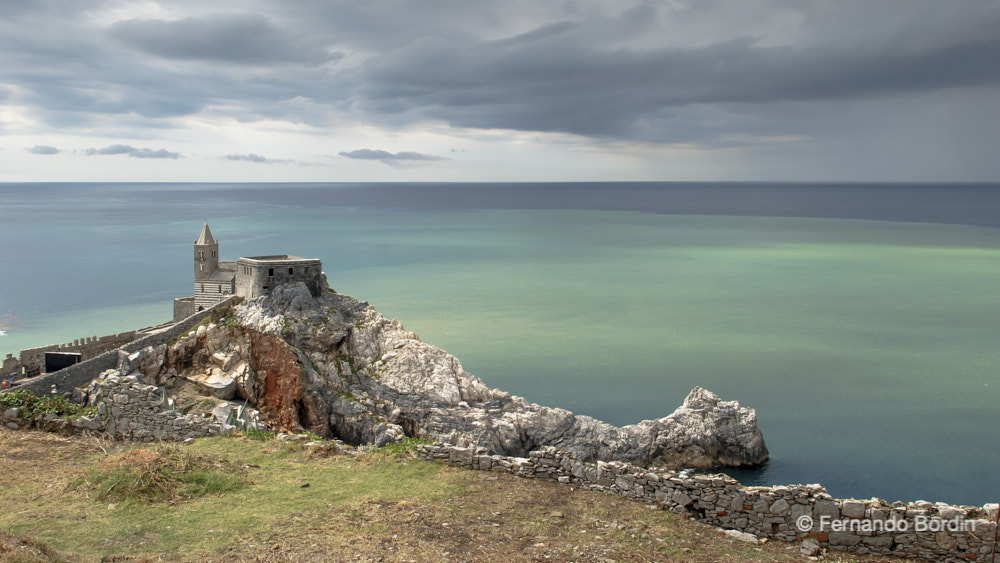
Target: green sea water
[(868, 348)]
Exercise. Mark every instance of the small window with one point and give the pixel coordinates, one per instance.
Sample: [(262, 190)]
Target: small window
[(270, 271), (289, 271), (202, 267), (202, 287), (220, 289)]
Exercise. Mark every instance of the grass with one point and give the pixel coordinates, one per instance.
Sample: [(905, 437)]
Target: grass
[(385, 505)]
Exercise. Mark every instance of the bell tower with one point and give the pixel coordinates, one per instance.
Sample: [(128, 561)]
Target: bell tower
[(206, 255)]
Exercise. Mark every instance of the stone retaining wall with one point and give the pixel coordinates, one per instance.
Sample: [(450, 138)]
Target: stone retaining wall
[(65, 380), (936, 532), (127, 410)]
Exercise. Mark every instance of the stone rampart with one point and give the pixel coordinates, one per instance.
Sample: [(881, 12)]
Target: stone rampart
[(184, 307), (126, 410), (32, 360), (65, 380), (11, 367), (923, 530)]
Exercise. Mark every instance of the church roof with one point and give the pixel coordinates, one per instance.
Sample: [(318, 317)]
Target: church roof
[(206, 236)]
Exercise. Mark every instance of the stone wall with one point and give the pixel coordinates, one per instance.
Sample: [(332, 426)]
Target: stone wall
[(65, 380), (184, 307), (257, 276), (937, 532), (11, 367), (32, 360), (127, 410)]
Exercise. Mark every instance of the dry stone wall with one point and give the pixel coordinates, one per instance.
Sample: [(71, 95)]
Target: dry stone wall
[(936, 532), (135, 412), (127, 410)]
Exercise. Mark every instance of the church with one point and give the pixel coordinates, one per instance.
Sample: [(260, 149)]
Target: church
[(216, 280)]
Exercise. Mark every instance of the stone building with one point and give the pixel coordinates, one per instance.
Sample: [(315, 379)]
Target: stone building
[(254, 276)]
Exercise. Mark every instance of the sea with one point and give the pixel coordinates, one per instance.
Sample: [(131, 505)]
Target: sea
[(861, 321)]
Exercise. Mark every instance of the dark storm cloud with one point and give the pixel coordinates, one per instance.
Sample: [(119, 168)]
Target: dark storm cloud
[(132, 151), (390, 158), (236, 38), (704, 72), (43, 149), (548, 81), (252, 157)]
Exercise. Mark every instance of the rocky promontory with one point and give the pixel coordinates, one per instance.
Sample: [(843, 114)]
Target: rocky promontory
[(335, 366)]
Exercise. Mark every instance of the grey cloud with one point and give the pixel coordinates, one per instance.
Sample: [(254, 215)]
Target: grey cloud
[(390, 158), (133, 152), (254, 158), (111, 149), (701, 72), (236, 38), (551, 81), (43, 149), (149, 153)]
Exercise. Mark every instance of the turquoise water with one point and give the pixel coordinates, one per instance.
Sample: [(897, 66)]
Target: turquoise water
[(867, 347)]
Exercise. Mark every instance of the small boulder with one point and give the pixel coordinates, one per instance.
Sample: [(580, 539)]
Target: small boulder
[(741, 536), (809, 548), (219, 386)]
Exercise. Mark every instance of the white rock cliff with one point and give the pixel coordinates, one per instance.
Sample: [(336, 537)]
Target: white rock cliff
[(337, 367)]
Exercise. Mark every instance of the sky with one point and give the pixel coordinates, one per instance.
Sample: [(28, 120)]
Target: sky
[(506, 90)]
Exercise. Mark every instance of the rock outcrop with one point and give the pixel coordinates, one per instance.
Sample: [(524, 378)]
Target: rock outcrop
[(335, 366)]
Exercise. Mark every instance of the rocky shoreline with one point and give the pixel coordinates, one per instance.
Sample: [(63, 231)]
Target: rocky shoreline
[(336, 367)]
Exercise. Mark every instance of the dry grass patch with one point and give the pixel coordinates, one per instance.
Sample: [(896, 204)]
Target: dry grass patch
[(163, 473)]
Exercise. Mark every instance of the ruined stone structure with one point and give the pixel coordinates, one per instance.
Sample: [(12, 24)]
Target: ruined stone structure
[(215, 280), (126, 410), (807, 513)]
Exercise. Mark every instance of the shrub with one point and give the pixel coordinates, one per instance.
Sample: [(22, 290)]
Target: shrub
[(403, 448), (252, 433), (29, 405), (14, 399)]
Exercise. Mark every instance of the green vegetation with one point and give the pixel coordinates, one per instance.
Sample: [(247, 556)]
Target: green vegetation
[(404, 448), (29, 405), (255, 434)]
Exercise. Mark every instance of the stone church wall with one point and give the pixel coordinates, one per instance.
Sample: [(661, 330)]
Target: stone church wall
[(257, 276)]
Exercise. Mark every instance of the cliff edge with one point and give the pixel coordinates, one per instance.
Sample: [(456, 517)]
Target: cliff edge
[(335, 366)]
